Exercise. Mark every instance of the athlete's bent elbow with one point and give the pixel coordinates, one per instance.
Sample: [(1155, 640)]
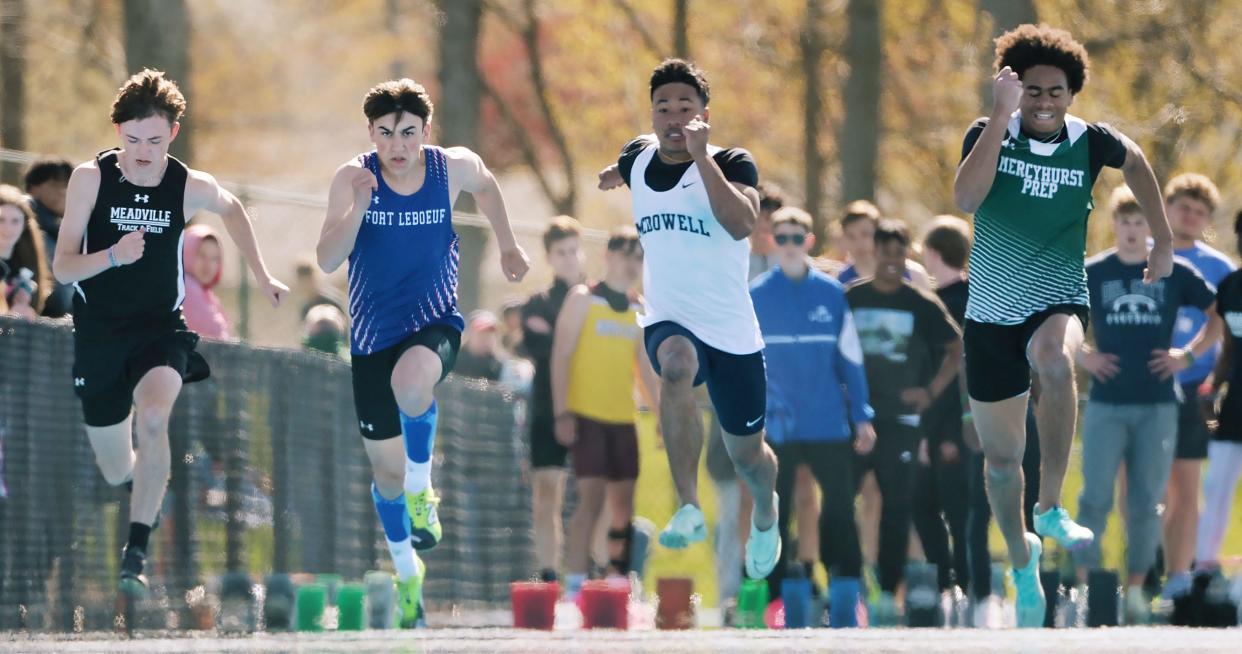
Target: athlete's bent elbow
[(964, 200), (326, 264), (60, 272)]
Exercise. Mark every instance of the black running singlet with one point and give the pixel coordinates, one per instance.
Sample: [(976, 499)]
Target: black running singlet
[(148, 292)]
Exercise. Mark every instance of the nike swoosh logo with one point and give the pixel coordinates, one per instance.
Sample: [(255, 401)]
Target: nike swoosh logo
[(754, 422), (687, 185)]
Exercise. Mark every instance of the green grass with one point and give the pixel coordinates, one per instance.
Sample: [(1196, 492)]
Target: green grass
[(656, 501)]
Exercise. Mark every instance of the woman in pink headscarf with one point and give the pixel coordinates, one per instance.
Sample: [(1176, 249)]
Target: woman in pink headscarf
[(203, 311)]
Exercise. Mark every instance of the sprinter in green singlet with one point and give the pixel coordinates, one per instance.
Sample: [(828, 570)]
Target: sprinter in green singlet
[(1026, 174)]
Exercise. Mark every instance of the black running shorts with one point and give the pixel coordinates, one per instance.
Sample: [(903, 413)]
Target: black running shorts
[(736, 383), (378, 416)]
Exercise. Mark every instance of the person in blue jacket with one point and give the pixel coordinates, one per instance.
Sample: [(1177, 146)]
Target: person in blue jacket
[(817, 388)]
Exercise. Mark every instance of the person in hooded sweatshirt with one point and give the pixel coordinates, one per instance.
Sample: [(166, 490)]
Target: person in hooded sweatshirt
[(202, 258)]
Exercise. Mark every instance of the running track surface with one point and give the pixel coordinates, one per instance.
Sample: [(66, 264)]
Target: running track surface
[(1131, 640)]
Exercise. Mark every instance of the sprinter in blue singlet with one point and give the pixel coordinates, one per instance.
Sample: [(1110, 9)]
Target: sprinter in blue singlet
[(390, 213)]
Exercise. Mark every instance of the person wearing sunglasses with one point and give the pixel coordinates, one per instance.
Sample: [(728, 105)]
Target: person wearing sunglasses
[(816, 388)]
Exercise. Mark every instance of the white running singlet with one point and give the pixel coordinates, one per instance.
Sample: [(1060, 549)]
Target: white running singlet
[(694, 272)]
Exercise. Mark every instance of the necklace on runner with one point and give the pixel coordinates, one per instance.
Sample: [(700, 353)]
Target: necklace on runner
[(670, 160), (1051, 139)]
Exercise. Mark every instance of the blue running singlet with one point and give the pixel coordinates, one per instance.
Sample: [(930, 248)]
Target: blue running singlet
[(403, 268)]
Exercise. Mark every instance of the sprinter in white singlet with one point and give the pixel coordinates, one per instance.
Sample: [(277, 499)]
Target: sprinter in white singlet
[(694, 206)]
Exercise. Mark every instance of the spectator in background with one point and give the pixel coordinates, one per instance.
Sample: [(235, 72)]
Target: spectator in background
[(1225, 451), (858, 240), (732, 497), (24, 270), (912, 351), (310, 290), (816, 389), (47, 181), (763, 254), (941, 497), (856, 231), (1131, 415), (549, 457), (324, 331), (511, 328), (480, 347), (1190, 200), (598, 361), (202, 257)]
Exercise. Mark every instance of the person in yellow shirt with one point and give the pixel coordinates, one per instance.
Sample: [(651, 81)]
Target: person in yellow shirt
[(597, 356)]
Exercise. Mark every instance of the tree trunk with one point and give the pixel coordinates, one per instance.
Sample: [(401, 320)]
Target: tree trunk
[(1006, 15), (392, 15), (813, 116), (457, 114), (681, 28), (860, 132), (12, 84), (157, 35)]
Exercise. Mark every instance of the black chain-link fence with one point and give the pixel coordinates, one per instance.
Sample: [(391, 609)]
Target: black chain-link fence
[(268, 475)]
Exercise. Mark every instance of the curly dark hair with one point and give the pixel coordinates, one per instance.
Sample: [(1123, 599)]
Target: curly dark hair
[(1035, 45)]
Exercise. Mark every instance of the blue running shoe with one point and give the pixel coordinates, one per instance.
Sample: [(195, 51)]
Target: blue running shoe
[(1031, 604), (763, 548), (1055, 523), (685, 528)]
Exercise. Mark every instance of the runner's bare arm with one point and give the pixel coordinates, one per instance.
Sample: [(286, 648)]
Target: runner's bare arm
[(202, 191), (468, 173), (1142, 180), (978, 170), (735, 205), (348, 199), (70, 264), (564, 342)]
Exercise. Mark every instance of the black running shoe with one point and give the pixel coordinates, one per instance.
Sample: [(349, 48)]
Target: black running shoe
[(133, 560)]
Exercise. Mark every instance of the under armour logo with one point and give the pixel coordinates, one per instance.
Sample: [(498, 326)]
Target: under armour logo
[(374, 199), (138, 197), (79, 381), (366, 425)]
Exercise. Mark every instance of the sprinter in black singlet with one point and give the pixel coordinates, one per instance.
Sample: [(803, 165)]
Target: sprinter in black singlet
[(120, 245)]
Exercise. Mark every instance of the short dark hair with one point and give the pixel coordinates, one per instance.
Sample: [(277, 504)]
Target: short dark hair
[(1030, 45), (860, 210), (48, 169), (674, 71), (146, 94), (771, 197), (559, 229), (889, 229), (625, 240), (950, 238), (397, 96)]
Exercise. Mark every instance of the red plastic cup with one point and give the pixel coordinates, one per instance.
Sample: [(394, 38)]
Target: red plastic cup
[(605, 605), (534, 604), (675, 610)]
